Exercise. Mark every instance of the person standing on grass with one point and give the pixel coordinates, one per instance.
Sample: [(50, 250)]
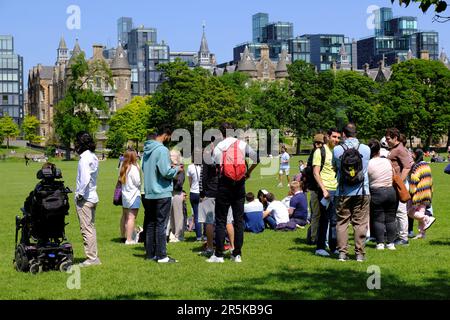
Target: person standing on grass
[(350, 160), (158, 177), (229, 157), (176, 225), (402, 163), (284, 166), (326, 180), (131, 196), (421, 190), (383, 198), (86, 197), (194, 172)]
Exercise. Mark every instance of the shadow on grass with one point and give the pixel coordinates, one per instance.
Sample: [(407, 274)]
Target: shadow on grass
[(118, 240), (134, 296), (440, 243), (333, 284)]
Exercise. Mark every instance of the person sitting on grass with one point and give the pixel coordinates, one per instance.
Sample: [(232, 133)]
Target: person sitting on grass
[(253, 214), (276, 213), (298, 205)]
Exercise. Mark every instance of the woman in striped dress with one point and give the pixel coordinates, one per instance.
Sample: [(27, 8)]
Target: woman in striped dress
[(421, 190)]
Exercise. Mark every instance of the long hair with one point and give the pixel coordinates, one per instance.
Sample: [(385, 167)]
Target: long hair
[(130, 158)]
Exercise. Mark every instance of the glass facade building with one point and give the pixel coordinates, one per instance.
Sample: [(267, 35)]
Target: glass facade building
[(259, 21), (393, 38), (189, 57), (155, 54), (138, 39), (124, 26), (300, 49), (11, 80), (254, 48), (324, 49)]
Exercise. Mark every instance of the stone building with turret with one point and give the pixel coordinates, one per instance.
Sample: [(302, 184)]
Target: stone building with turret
[(47, 86)]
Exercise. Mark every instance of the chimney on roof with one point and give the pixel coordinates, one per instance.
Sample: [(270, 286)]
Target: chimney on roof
[(98, 51), (424, 54)]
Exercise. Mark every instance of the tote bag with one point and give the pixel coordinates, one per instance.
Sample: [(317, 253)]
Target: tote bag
[(117, 199)]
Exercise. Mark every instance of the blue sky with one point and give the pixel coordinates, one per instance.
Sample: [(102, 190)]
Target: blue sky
[(38, 25)]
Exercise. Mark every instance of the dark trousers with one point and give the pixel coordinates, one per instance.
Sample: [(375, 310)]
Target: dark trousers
[(195, 200), (230, 194), (327, 218), (383, 211), (157, 214)]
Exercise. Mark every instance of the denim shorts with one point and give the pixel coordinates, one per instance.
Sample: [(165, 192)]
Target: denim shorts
[(137, 203)]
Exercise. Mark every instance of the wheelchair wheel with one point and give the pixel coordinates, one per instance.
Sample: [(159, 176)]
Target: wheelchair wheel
[(21, 262), (65, 265), (36, 268)]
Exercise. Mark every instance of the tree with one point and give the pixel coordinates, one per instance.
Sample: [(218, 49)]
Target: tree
[(8, 129), (30, 128), (418, 97), (130, 122), (78, 110), (439, 6)]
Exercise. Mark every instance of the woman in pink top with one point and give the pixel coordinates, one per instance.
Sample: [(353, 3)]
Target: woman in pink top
[(383, 202)]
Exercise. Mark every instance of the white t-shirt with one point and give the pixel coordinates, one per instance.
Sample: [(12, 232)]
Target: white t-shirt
[(131, 189), (284, 163), (279, 211), (254, 206), (380, 173), (194, 172)]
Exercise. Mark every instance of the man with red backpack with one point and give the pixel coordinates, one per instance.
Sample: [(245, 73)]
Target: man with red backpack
[(229, 156)]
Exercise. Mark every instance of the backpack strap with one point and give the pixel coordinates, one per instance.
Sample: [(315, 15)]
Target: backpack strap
[(322, 157)]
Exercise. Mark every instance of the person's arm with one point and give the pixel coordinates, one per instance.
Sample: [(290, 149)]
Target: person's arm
[(84, 178), (317, 161), (164, 166), (254, 156)]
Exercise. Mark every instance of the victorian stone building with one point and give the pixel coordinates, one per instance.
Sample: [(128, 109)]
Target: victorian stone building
[(48, 85), (264, 68)]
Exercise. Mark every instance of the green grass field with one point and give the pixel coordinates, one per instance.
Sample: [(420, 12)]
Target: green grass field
[(276, 265)]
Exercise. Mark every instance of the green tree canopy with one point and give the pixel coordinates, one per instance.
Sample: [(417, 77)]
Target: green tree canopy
[(8, 129), (78, 110), (30, 128)]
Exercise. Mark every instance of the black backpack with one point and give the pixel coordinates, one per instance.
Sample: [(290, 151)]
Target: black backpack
[(308, 174), (351, 166)]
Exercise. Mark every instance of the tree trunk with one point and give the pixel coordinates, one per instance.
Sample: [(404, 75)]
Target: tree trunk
[(68, 152), (7, 142), (299, 143), (428, 141), (448, 137)]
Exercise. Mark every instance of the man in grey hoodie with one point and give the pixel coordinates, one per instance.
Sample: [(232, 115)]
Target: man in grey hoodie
[(158, 177)]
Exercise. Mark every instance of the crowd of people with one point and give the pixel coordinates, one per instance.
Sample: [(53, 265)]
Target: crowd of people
[(349, 182)]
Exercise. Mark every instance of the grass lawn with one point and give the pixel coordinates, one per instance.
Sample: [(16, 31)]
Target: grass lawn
[(276, 265)]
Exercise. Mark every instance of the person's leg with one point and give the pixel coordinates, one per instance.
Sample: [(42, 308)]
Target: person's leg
[(132, 214), (402, 221), (360, 221), (123, 223), (210, 236), (238, 221), (315, 215), (221, 211), (390, 215), (195, 199), (162, 214), (178, 216), (343, 215), (331, 215), (150, 229), (86, 217), (230, 232), (269, 220), (377, 215), (322, 226)]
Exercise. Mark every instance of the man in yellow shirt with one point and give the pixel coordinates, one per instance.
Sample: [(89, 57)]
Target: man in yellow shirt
[(326, 179)]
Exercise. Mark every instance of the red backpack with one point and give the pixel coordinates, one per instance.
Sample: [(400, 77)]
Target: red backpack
[(233, 162)]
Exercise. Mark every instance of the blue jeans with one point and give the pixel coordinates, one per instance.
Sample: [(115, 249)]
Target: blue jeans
[(195, 200), (270, 222), (327, 218), (157, 214)]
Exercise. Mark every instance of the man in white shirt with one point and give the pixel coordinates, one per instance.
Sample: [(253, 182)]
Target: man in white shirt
[(276, 212), (86, 197), (284, 166)]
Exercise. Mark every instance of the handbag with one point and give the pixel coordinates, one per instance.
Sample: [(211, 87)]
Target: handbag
[(402, 192), (117, 199)]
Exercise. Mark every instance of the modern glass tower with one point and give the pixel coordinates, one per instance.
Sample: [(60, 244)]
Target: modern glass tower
[(11, 80), (124, 26), (155, 54), (138, 39), (259, 21), (325, 48), (382, 15)]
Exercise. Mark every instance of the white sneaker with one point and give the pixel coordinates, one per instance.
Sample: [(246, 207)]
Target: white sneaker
[(174, 240), (88, 263), (322, 253), (236, 259), (280, 185), (380, 246), (431, 220), (390, 246), (214, 259), (132, 242)]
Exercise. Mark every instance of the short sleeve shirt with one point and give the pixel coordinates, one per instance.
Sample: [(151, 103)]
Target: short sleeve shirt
[(327, 174), (300, 205), (194, 171), (284, 161)]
